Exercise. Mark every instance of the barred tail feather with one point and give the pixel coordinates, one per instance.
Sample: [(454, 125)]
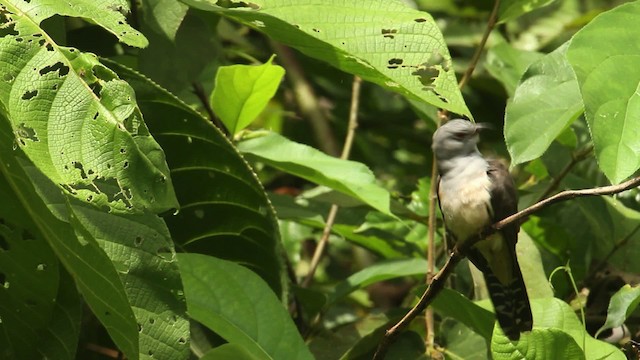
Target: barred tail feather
[(511, 304)]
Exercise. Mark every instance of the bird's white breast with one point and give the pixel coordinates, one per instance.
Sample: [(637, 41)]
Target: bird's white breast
[(465, 200)]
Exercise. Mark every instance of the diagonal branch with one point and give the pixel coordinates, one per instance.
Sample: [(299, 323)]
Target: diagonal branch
[(460, 250)]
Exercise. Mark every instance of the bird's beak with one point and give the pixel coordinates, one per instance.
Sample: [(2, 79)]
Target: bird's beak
[(484, 126)]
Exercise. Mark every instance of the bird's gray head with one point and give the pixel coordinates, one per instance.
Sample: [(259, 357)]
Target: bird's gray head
[(456, 138)]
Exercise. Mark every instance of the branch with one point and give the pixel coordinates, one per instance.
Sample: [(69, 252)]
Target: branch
[(307, 100), (460, 250), (346, 150)]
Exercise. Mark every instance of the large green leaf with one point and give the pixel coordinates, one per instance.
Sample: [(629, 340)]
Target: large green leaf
[(90, 267), (556, 328), (540, 344), (242, 91), (39, 304), (176, 59), (240, 307), (622, 304), (452, 304), (110, 14), (546, 101), (224, 209), (604, 56), (383, 41), (347, 176), (140, 248), (77, 122)]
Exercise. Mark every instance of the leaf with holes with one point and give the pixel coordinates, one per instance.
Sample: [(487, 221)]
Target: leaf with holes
[(101, 152), (224, 209), (604, 55), (242, 91), (382, 41), (46, 209), (110, 14)]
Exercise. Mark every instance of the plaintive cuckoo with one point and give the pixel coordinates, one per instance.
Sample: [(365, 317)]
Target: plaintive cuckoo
[(474, 193)]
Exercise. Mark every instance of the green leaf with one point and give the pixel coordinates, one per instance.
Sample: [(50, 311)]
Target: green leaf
[(357, 38), (164, 17), (240, 307), (60, 340), (507, 64), (554, 313), (604, 55), (110, 14), (531, 266), (450, 303), (622, 304), (377, 272), (348, 225), (225, 211), (228, 352), (349, 177), (540, 344), (546, 101), (96, 278), (140, 248), (29, 276), (78, 123), (176, 62), (241, 92), (511, 9)]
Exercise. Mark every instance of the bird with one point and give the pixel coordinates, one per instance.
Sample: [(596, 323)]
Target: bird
[(474, 192)]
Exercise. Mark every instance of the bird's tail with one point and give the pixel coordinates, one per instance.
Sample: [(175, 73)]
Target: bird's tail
[(511, 303)]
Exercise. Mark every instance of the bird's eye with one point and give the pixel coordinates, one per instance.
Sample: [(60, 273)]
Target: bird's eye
[(459, 135)]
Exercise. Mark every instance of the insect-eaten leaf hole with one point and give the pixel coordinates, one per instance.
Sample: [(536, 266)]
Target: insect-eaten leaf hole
[(29, 95), (420, 20), (61, 68), (394, 63), (389, 33)]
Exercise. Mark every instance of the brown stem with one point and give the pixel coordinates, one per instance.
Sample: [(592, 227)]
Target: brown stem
[(346, 151), (461, 249), (307, 100), (603, 263), (491, 23), (575, 159)]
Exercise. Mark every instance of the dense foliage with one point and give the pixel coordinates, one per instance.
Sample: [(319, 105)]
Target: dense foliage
[(168, 169)]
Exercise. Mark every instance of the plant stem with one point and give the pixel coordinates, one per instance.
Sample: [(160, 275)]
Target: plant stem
[(346, 151), (307, 100)]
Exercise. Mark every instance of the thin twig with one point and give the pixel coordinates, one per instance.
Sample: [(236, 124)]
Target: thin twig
[(346, 151), (307, 100), (431, 249), (491, 23), (460, 250), (575, 159), (603, 263)]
